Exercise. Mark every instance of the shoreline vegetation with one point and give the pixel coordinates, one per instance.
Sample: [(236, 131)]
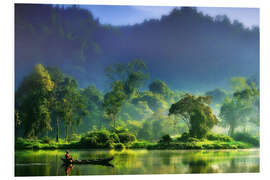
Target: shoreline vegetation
[(104, 139)]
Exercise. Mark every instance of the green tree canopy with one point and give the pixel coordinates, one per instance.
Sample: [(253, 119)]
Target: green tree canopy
[(242, 108), (113, 101), (196, 112), (132, 75), (32, 101), (161, 88)]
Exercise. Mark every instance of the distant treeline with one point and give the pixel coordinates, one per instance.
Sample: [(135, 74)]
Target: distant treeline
[(183, 45)]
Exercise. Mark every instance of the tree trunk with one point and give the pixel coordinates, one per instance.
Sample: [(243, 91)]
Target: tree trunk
[(66, 138), (232, 130), (57, 130)]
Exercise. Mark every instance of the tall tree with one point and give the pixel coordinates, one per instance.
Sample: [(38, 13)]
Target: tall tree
[(132, 75), (160, 87), (94, 99), (197, 114), (72, 105), (113, 101), (32, 101), (242, 108), (58, 77)]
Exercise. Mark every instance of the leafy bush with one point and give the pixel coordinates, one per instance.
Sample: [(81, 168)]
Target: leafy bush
[(105, 139), (165, 139), (126, 137), (46, 140), (218, 137), (184, 137), (75, 137), (139, 144), (119, 146), (245, 137), (114, 137)]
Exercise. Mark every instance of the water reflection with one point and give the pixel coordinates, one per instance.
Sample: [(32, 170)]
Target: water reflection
[(68, 169), (138, 162)]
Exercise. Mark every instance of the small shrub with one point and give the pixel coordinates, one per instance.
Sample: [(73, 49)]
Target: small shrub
[(119, 146), (165, 139), (184, 137), (126, 137), (114, 137), (75, 137), (218, 137), (192, 139), (46, 140), (245, 137), (92, 141)]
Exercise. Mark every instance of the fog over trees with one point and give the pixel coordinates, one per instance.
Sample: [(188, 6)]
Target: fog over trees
[(186, 49)]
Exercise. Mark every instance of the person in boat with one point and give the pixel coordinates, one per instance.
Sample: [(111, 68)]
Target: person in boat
[(68, 156)]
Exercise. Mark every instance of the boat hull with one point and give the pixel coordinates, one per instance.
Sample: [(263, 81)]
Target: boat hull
[(90, 161)]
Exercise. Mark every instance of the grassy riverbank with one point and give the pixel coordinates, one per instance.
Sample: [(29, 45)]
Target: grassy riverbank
[(120, 140)]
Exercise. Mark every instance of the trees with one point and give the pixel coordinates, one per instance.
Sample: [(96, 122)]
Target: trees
[(113, 101), (161, 88), (94, 99), (196, 113), (132, 75), (243, 107), (45, 95), (67, 104), (32, 102), (58, 78), (73, 107)]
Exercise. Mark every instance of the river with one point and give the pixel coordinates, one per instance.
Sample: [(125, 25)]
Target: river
[(48, 162)]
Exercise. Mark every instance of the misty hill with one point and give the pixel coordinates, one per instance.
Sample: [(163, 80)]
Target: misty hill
[(186, 49)]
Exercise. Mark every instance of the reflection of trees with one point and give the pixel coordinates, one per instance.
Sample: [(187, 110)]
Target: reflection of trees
[(141, 162), (198, 165)]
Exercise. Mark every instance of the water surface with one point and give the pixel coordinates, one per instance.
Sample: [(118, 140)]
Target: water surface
[(48, 162)]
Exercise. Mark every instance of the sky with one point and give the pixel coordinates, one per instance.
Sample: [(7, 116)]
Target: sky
[(129, 15)]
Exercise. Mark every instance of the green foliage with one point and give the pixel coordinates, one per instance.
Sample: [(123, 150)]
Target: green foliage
[(46, 140), (165, 139), (131, 75), (238, 84), (153, 101), (197, 114), (245, 137), (243, 107), (119, 146), (113, 101), (146, 131), (106, 139), (219, 137), (32, 102), (114, 137), (93, 101), (160, 87), (126, 137), (139, 144), (194, 143), (184, 137)]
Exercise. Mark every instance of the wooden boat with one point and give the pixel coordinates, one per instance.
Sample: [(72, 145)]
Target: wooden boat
[(105, 162)]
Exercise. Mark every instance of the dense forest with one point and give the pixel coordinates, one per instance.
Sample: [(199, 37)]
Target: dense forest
[(185, 75)]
